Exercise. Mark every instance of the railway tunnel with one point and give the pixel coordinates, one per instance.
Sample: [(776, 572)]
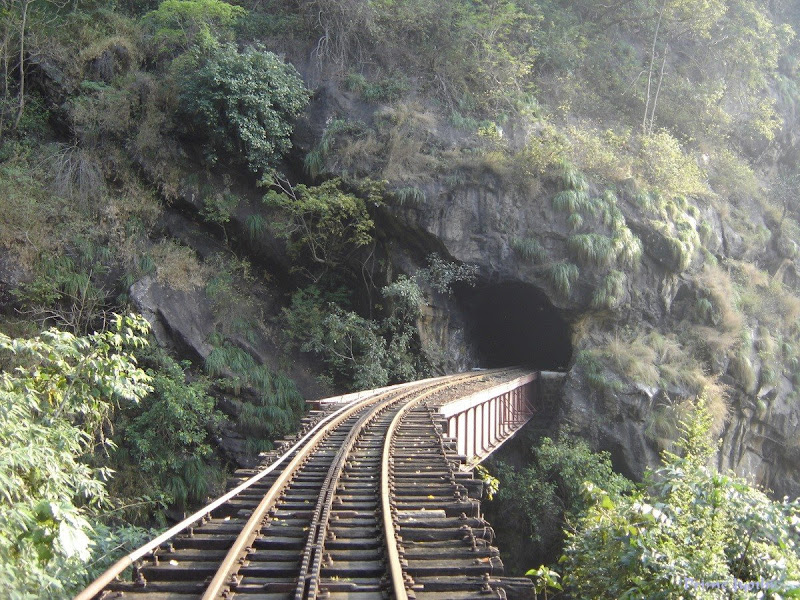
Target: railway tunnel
[(514, 323)]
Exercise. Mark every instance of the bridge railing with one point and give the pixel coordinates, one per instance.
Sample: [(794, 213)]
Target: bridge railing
[(481, 422)]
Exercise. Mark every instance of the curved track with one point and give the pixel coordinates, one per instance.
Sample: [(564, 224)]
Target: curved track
[(368, 503)]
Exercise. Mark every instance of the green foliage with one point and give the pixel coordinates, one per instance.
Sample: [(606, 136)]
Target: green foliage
[(546, 494), (325, 224), (491, 483), (529, 249), (563, 276), (256, 226), (571, 201), (219, 207), (388, 89), (409, 195), (66, 289), (668, 168), (180, 24), (361, 353), (591, 249), (572, 178), (687, 527), (278, 404), (441, 274), (314, 161), (241, 104), (166, 437), (56, 392)]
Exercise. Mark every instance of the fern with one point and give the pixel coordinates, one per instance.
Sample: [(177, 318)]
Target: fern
[(529, 249), (563, 276)]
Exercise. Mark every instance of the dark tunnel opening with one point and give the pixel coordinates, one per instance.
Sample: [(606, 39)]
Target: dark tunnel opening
[(515, 323)]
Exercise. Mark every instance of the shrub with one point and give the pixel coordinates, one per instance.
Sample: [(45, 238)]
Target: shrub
[(179, 24), (57, 391), (668, 168), (687, 523), (442, 274), (388, 89), (166, 435), (241, 104), (546, 494)]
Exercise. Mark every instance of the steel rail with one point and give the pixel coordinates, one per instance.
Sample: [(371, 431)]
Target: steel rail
[(307, 584), (129, 560), (390, 533), (249, 531)]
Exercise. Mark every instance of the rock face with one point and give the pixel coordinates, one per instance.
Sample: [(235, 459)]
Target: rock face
[(477, 224), (180, 320)]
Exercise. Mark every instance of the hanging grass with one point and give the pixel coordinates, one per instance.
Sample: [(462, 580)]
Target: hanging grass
[(591, 248), (256, 225), (575, 221), (610, 291), (571, 201), (529, 249), (563, 276), (409, 195)]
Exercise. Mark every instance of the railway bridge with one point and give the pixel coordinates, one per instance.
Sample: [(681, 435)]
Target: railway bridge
[(373, 498)]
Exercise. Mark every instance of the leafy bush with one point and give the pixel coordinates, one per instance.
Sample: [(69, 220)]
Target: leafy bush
[(546, 494), (241, 104), (442, 274), (56, 393), (361, 353), (388, 89), (668, 168), (687, 525), (325, 224), (167, 436), (180, 24)]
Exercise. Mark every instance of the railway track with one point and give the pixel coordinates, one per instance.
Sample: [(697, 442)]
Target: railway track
[(367, 503)]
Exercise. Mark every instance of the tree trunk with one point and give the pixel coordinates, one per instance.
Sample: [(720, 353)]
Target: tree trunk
[(652, 63), (22, 28)]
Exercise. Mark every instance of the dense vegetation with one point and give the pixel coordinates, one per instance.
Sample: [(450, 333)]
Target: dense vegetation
[(656, 135)]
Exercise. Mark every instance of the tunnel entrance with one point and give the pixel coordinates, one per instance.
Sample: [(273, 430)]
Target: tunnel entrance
[(515, 323)]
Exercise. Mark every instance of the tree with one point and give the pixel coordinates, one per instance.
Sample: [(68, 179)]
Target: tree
[(241, 104), (689, 532), (180, 24), (325, 226), (56, 392), (546, 495)]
